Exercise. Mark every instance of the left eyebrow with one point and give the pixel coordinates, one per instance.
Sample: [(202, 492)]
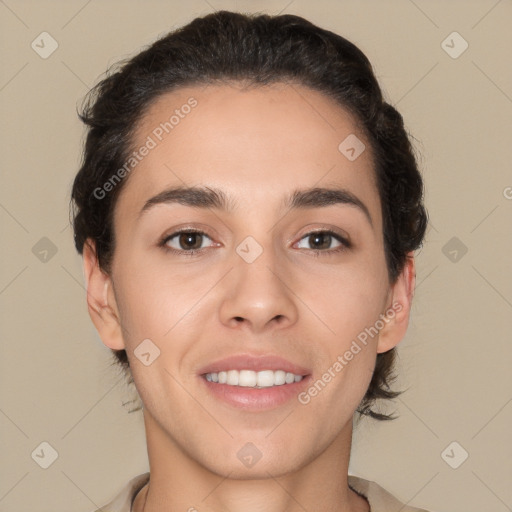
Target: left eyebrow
[(208, 197), (319, 197)]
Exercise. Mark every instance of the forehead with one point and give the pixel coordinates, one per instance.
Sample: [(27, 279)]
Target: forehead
[(256, 143)]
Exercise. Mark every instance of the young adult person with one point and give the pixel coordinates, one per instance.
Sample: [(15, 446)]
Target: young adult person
[(248, 208)]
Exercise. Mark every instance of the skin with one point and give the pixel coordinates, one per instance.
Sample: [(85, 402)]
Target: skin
[(256, 145)]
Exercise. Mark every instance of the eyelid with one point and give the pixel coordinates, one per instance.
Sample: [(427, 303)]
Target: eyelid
[(339, 233), (171, 233)]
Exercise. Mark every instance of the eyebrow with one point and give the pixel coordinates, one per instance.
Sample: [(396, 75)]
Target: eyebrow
[(208, 197)]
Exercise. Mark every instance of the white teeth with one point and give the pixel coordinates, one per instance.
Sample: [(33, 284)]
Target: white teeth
[(265, 379), (252, 379), (247, 378), (280, 377), (232, 378)]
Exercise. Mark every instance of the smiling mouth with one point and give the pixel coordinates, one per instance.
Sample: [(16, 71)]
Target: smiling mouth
[(253, 379)]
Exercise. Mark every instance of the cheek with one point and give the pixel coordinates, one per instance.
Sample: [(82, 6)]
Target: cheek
[(347, 301), (156, 301)]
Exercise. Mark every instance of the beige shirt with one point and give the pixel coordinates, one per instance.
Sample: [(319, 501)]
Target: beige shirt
[(380, 500)]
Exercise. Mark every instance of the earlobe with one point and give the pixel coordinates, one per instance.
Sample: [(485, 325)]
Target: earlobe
[(98, 284), (399, 307)]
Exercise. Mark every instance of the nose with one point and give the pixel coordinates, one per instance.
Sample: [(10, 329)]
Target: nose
[(258, 296)]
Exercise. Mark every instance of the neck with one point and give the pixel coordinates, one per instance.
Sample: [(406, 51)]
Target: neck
[(179, 482)]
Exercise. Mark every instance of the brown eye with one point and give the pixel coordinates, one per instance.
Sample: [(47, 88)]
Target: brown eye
[(189, 240), (324, 241), (185, 241)]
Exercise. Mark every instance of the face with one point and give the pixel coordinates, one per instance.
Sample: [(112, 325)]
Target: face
[(252, 265)]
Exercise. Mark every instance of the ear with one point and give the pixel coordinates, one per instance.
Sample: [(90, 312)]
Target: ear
[(101, 301), (398, 308)]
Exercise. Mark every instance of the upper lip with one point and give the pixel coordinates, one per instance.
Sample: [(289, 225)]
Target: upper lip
[(254, 363)]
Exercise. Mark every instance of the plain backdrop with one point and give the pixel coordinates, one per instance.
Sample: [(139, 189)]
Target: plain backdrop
[(57, 382)]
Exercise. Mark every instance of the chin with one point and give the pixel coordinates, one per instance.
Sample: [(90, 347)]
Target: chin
[(255, 457), (262, 469)]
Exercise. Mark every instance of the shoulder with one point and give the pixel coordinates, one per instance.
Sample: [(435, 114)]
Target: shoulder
[(122, 501), (380, 500)]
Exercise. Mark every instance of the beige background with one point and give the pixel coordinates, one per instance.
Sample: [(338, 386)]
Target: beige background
[(57, 385)]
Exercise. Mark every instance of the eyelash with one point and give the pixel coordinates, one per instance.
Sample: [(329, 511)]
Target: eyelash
[(345, 244)]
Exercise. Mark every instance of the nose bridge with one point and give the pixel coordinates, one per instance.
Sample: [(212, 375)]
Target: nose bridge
[(256, 267), (257, 293)]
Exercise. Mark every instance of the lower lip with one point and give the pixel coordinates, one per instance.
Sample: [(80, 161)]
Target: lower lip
[(256, 398)]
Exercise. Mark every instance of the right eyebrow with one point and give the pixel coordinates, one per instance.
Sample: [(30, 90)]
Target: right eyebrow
[(199, 197)]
